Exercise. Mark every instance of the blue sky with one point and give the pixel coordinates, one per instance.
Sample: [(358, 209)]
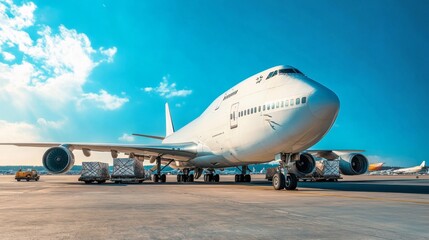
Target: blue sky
[(95, 71)]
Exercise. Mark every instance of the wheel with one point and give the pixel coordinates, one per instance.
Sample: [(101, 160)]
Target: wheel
[(241, 178), (216, 178), (88, 182), (155, 178), (19, 180), (179, 179), (37, 179), (140, 181), (236, 178), (191, 178), (291, 182), (101, 181), (163, 178), (247, 178), (278, 181)]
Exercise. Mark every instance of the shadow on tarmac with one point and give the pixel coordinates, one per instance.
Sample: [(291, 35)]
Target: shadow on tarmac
[(415, 186)]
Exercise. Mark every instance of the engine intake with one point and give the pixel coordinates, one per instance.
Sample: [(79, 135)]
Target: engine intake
[(58, 159), (353, 164), (304, 166)]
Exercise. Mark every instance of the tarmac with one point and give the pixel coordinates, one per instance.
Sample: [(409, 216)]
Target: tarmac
[(356, 207)]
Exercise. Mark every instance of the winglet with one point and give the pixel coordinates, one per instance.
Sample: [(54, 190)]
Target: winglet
[(169, 128), (423, 164)]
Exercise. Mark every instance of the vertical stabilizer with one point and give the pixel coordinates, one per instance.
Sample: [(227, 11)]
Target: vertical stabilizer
[(423, 164), (169, 128)]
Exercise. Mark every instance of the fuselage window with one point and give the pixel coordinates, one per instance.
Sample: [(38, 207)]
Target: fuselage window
[(251, 110), (291, 102), (304, 100), (298, 101), (286, 103), (268, 106), (263, 107), (254, 109), (272, 105), (259, 109), (277, 105)]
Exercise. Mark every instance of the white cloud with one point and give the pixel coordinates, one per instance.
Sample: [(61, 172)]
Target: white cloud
[(126, 138), (147, 89), (104, 100), (55, 65), (8, 56), (50, 124), (18, 132), (167, 90)]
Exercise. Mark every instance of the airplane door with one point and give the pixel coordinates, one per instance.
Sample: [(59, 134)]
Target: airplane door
[(234, 115)]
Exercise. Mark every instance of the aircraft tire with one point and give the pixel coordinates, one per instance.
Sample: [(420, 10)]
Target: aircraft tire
[(163, 178), (155, 178), (247, 178), (236, 178), (216, 178), (291, 182), (191, 178), (278, 181)]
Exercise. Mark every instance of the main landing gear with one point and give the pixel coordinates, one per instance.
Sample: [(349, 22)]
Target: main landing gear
[(283, 179), (243, 177), (185, 176), (211, 176), (158, 177)]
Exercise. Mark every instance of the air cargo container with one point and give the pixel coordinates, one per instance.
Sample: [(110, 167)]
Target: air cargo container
[(326, 170), (94, 172), (128, 170)]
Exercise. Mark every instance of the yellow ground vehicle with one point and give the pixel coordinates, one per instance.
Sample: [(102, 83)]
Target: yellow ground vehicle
[(27, 175)]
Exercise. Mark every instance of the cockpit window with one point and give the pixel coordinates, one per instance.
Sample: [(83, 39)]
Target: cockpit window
[(272, 74), (289, 70)]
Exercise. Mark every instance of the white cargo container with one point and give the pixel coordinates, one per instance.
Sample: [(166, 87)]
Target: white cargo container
[(128, 170), (94, 171)]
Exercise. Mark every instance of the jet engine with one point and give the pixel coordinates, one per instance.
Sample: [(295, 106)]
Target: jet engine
[(58, 159), (353, 164), (304, 166)]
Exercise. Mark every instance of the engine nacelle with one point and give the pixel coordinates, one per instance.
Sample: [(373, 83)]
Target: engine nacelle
[(353, 164), (58, 159), (304, 166)]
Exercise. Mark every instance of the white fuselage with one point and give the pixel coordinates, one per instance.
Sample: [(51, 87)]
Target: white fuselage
[(410, 170), (258, 118)]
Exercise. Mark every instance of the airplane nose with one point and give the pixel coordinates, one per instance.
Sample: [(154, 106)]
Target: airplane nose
[(324, 103)]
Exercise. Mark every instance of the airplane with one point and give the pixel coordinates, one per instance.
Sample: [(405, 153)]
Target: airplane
[(276, 114), (411, 170), (375, 167)]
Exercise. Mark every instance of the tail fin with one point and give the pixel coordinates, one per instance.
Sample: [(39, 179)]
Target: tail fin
[(169, 128), (423, 164)]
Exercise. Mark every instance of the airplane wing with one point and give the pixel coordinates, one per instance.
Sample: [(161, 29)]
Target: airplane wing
[(177, 151), (332, 154)]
